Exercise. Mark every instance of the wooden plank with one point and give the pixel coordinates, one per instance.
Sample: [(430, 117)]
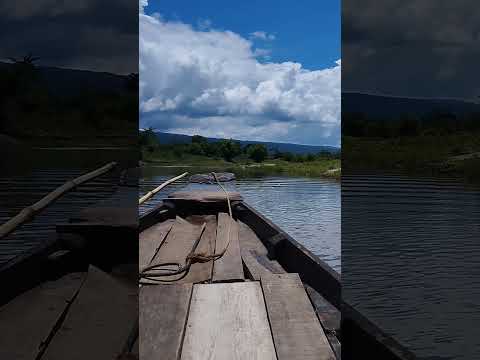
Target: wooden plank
[(228, 321), (249, 240), (295, 327), (27, 321), (329, 318), (150, 240), (229, 267), (163, 311), (202, 271), (328, 314), (178, 243), (258, 265), (205, 196), (99, 321)]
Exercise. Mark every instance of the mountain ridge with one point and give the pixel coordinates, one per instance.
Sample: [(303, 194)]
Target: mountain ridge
[(171, 138)]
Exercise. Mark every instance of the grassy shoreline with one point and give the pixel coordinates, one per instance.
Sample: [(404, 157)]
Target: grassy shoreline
[(454, 155), (328, 168)]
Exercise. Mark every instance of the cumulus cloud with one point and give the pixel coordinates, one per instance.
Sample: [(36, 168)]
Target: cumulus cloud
[(262, 35), (212, 83), (389, 45)]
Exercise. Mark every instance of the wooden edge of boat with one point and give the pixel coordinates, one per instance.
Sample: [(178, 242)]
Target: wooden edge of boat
[(356, 329)]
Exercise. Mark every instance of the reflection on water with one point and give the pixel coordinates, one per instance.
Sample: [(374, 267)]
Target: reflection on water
[(411, 260), (37, 175), (308, 209)]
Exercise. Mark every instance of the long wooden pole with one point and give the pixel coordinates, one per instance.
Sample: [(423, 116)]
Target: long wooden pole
[(30, 211), (157, 189)]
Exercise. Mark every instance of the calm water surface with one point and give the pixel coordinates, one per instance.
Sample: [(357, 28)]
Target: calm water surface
[(411, 260), (40, 173), (306, 208)]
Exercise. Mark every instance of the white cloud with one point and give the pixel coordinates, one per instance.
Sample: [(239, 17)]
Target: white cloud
[(262, 35), (211, 82)]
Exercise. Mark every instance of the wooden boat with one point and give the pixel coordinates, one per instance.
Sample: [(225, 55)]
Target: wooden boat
[(264, 271)]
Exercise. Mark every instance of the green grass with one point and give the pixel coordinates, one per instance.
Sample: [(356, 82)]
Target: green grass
[(428, 154), (244, 167)]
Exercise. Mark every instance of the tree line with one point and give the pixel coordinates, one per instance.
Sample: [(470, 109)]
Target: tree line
[(437, 123), (226, 149)]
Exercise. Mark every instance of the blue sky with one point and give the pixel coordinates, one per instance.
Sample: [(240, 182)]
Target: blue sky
[(305, 31), (249, 70)]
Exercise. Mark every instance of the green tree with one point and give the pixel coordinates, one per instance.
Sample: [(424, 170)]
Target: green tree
[(228, 149), (257, 152)]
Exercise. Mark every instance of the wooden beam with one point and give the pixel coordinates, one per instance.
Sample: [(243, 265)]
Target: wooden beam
[(258, 265), (202, 271), (228, 321), (177, 245), (163, 311), (28, 320), (158, 188), (229, 266), (30, 211), (150, 240), (295, 327), (98, 322)]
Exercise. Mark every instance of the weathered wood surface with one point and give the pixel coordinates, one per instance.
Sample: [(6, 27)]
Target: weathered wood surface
[(254, 254), (249, 240), (120, 209), (178, 243), (229, 267), (228, 321), (295, 327), (205, 196), (163, 313), (98, 322), (258, 265), (149, 242), (329, 317), (202, 271), (27, 321)]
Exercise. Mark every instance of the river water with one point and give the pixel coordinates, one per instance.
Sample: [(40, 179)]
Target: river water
[(411, 260), (34, 175), (306, 208)]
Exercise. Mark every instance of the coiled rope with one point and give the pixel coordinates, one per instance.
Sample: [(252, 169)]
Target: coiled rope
[(158, 272)]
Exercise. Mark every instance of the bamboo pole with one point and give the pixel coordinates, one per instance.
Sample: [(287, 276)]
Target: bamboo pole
[(157, 189), (30, 211)]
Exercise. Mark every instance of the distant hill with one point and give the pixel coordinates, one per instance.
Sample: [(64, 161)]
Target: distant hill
[(167, 138), (392, 107), (69, 82)]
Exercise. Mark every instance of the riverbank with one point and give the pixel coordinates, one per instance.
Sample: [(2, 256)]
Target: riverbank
[(330, 168), (456, 155)]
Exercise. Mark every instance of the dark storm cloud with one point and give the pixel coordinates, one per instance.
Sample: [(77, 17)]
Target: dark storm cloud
[(411, 48), (87, 34)]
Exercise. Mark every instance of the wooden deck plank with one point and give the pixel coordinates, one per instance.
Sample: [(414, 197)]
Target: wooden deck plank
[(249, 240), (205, 196), (258, 265), (178, 243), (98, 322), (228, 321), (202, 271), (329, 317), (27, 321), (163, 313), (229, 267), (150, 240), (297, 333)]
